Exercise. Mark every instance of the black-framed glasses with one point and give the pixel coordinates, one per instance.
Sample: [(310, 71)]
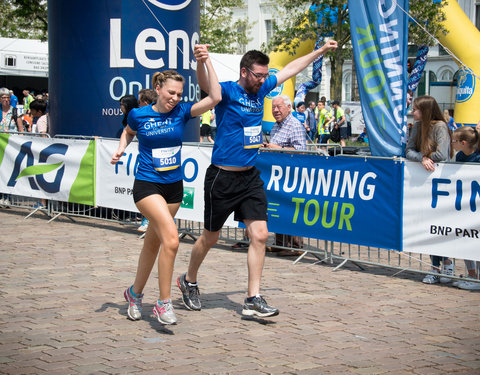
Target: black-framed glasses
[(258, 75)]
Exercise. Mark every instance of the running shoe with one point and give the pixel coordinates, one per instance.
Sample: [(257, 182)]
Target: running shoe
[(258, 307), (163, 310), (143, 225), (431, 279), (190, 293), (134, 310), (469, 285), (448, 269)]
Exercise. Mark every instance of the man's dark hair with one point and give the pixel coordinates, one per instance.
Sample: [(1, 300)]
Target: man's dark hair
[(254, 57), (39, 105)]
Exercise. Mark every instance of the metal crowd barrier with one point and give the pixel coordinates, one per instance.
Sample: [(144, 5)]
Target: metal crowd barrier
[(327, 252)]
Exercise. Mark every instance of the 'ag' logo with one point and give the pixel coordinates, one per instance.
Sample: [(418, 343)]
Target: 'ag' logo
[(35, 172), (171, 4)]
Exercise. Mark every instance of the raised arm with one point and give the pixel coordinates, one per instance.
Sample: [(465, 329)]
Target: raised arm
[(296, 66), (214, 90), (201, 54)]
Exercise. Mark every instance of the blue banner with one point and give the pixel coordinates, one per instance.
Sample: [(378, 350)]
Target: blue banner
[(350, 200), (379, 32), (101, 50)]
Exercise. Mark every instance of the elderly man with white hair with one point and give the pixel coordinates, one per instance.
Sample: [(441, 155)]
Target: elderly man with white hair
[(288, 132)]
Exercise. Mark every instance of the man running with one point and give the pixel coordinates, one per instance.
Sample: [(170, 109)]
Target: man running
[(232, 183)]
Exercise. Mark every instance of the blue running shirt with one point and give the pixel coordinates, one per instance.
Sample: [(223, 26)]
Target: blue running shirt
[(159, 142), (239, 124)]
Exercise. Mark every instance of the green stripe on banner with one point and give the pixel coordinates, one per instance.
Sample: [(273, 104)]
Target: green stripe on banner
[(3, 144), (83, 188)]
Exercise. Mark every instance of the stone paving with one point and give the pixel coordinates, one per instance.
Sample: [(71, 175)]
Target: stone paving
[(63, 312)]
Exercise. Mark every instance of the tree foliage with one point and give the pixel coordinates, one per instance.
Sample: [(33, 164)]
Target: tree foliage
[(26, 19), (331, 19), (218, 28)]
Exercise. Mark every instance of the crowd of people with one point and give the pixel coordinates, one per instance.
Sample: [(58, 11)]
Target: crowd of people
[(31, 117)]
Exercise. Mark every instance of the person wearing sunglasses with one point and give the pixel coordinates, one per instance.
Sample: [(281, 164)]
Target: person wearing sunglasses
[(232, 183)]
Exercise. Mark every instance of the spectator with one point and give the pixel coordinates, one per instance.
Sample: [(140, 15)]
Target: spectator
[(311, 120), (348, 118), (10, 120), (287, 133), (449, 120), (466, 142), (429, 143), (38, 109), (339, 121), (127, 103), (301, 116), (363, 137), (146, 97), (27, 99), (323, 119), (205, 130), (13, 99)]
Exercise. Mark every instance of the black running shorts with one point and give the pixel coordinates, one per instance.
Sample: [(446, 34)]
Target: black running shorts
[(173, 193), (227, 192)]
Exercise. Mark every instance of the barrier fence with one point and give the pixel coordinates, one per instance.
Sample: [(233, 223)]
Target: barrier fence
[(323, 250)]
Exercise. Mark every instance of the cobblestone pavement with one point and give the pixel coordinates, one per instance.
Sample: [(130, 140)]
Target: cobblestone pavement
[(63, 312)]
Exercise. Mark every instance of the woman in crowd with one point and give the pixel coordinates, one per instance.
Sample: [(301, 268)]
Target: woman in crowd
[(158, 186), (429, 143), (127, 103), (10, 120)]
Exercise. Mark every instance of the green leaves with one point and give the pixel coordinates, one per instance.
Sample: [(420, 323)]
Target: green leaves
[(218, 28), (25, 19)]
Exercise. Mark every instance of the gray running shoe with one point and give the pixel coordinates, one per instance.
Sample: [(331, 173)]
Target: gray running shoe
[(259, 307), (190, 293), (431, 279), (134, 310), (163, 310)]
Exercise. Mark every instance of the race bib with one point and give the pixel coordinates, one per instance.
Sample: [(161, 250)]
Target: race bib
[(167, 158), (252, 137)]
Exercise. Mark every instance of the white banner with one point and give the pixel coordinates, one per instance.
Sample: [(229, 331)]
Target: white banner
[(50, 168), (115, 182), (441, 210)]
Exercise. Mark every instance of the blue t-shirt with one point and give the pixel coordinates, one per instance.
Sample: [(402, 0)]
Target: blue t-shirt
[(300, 116), (239, 124), (472, 158), (159, 142), (13, 101)]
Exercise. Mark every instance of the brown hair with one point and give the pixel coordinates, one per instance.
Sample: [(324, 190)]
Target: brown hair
[(468, 134), (431, 114), (159, 78)]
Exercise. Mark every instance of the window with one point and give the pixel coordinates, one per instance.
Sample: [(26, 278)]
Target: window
[(10, 61), (347, 82), (269, 26), (446, 75)]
